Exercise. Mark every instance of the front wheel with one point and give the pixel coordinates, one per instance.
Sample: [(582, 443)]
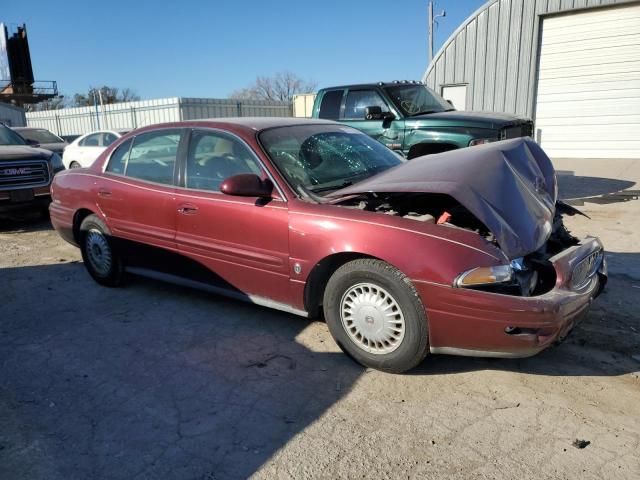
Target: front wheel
[(75, 165), (375, 315), (100, 258)]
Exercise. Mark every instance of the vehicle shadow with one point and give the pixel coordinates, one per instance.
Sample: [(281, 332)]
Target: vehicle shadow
[(158, 381), (151, 380), (27, 221), (577, 190)]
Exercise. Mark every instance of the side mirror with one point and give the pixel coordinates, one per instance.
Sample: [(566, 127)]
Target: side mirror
[(247, 185), (388, 118), (32, 143), (373, 113)]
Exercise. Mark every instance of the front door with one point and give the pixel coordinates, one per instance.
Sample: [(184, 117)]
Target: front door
[(242, 240), (353, 114)]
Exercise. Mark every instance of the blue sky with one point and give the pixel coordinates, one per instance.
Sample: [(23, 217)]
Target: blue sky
[(210, 48)]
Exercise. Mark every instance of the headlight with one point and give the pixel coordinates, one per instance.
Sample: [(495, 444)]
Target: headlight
[(484, 276), (56, 162), (481, 141)]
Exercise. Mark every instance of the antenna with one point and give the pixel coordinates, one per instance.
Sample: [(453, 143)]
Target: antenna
[(432, 20)]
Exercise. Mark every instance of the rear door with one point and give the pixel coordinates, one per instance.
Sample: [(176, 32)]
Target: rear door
[(84, 152), (136, 194), (243, 240)]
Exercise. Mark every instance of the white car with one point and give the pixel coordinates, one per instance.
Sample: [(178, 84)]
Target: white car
[(85, 149)]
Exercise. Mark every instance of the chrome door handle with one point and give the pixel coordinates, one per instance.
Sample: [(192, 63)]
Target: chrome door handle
[(103, 192), (187, 209)]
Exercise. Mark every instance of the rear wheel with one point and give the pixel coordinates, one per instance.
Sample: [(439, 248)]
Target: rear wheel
[(75, 165), (375, 315), (100, 258)]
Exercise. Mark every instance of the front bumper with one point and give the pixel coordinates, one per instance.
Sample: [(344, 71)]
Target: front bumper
[(476, 323), (40, 199)]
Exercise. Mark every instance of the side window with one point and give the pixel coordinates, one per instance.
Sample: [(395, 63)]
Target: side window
[(91, 140), (330, 106), (118, 160), (153, 156), (358, 100), (213, 157), (108, 138)]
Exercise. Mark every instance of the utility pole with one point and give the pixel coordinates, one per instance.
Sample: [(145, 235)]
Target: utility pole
[(432, 20)]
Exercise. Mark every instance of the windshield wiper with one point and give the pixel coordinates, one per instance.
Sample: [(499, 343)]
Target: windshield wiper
[(344, 184), (425, 112)]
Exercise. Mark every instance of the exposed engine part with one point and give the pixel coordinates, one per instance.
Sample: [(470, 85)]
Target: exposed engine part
[(533, 274), (427, 218), (423, 207)]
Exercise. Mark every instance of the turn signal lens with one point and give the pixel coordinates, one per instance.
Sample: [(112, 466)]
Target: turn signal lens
[(484, 276)]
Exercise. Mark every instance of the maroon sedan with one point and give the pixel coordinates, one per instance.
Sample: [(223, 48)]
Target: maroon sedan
[(462, 252)]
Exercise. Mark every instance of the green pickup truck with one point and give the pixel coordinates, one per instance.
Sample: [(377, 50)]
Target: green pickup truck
[(412, 119)]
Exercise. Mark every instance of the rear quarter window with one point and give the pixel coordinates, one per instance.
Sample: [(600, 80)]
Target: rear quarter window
[(330, 104), (118, 160)]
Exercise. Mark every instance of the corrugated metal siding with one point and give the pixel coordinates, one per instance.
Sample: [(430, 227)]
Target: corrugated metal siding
[(129, 115), (495, 53), (12, 116), (194, 108)]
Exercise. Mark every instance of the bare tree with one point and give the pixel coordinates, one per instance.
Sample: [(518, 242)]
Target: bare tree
[(55, 103), (128, 95), (105, 95), (282, 87)]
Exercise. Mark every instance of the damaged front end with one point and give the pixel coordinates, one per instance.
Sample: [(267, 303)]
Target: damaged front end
[(529, 275), (505, 192), (537, 273)]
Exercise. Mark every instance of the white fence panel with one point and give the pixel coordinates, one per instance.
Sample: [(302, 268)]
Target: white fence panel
[(130, 115)]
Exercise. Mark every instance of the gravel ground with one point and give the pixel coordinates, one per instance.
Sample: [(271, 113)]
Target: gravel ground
[(157, 381)]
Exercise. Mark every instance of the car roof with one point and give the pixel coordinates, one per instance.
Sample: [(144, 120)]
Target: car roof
[(249, 123), (262, 123), (117, 132)]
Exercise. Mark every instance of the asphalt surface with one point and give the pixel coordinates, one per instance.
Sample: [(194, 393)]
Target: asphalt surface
[(157, 381)]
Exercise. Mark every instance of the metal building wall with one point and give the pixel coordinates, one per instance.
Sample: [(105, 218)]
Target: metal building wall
[(194, 108), (495, 53), (12, 116), (129, 115)]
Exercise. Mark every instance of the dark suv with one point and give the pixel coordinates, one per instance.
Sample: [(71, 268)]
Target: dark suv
[(25, 173), (412, 119)]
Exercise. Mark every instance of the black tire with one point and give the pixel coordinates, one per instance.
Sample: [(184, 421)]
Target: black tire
[(414, 345), (75, 164), (95, 235)]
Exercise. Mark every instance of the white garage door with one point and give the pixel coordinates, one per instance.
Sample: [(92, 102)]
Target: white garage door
[(588, 103)]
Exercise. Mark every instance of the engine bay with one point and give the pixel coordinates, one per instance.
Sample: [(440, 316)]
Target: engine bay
[(533, 275)]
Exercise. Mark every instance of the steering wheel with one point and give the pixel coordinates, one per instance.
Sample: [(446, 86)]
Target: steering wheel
[(299, 171)]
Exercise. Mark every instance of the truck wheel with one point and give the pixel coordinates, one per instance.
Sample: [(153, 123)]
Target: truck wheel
[(100, 258), (75, 165), (375, 315)]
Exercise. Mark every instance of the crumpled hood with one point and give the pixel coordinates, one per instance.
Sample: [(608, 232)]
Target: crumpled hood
[(509, 186), (23, 152)]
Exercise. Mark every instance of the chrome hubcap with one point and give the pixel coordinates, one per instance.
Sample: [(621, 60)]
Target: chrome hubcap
[(372, 318), (98, 252)]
